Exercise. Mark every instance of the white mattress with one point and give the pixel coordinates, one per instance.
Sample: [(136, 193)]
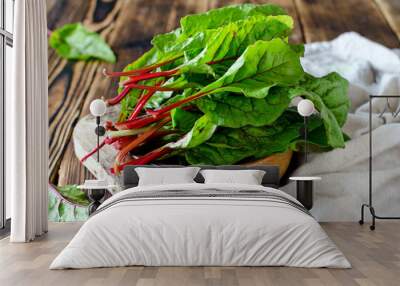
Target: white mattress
[(200, 231)]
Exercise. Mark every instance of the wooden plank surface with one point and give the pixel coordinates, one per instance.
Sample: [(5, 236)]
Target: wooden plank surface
[(80, 83), (391, 11), (375, 259), (129, 25), (324, 20)]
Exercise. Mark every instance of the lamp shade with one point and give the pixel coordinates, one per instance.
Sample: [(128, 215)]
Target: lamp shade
[(98, 107), (305, 107)]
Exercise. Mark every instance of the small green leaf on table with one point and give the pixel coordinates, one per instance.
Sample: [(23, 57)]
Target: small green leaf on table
[(75, 42)]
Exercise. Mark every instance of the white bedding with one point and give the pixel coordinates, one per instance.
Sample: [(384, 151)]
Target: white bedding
[(200, 231)]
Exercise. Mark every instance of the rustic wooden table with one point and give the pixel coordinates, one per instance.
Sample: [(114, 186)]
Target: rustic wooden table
[(129, 25)]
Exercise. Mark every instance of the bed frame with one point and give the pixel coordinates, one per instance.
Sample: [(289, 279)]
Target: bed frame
[(271, 177)]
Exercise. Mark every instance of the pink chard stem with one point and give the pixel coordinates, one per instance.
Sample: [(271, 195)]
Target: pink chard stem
[(119, 97), (145, 159), (139, 71), (165, 109)]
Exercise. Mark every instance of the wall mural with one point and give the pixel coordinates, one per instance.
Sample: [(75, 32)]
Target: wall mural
[(219, 89)]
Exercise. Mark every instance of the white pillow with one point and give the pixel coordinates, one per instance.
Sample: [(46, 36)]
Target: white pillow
[(247, 177), (166, 176)]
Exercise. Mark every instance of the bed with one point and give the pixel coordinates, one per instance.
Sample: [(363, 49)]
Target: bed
[(201, 224)]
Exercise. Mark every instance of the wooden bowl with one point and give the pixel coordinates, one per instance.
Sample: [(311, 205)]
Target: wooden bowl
[(281, 159)]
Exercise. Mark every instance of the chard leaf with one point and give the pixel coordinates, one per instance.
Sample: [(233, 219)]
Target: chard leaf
[(333, 90), (183, 120), (232, 145), (74, 194), (329, 95), (298, 48), (228, 40), (75, 42), (68, 206), (186, 93), (263, 65), (232, 40), (206, 154), (236, 111), (168, 39), (222, 16), (202, 130), (317, 141)]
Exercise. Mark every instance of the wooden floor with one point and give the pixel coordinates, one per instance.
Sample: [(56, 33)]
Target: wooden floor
[(129, 25), (375, 257)]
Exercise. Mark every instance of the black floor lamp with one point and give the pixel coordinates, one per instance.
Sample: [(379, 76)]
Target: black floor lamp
[(97, 109), (304, 184), (96, 189), (305, 108)]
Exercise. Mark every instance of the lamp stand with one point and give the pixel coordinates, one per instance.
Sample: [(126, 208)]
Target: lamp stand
[(305, 140), (96, 195), (100, 131)]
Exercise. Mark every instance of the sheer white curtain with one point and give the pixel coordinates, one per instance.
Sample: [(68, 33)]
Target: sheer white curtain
[(27, 123)]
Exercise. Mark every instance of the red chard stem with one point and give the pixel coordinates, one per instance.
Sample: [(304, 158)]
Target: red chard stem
[(222, 60), (165, 109), (149, 87), (122, 142), (147, 76), (141, 103), (84, 158), (106, 140), (139, 122), (109, 140), (136, 142), (139, 71), (145, 159), (109, 125), (119, 97)]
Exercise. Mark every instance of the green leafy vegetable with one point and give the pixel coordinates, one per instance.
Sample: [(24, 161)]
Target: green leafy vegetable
[(201, 131), (223, 16), (75, 42), (73, 194), (231, 145), (210, 46), (67, 203), (332, 89), (218, 90), (228, 40), (262, 66), (213, 19), (237, 111), (183, 120), (329, 95)]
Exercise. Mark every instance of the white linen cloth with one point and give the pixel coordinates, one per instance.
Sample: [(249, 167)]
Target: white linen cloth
[(27, 123), (223, 231), (371, 69)]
